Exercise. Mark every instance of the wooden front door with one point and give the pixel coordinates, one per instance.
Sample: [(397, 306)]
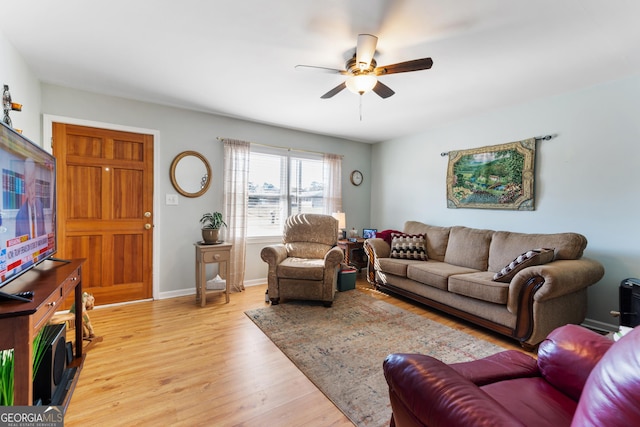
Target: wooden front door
[(105, 201)]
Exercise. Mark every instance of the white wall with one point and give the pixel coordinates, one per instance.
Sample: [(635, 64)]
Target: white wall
[(585, 177), (180, 130), (24, 88)]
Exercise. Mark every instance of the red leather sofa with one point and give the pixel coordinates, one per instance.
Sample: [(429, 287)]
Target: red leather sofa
[(579, 379)]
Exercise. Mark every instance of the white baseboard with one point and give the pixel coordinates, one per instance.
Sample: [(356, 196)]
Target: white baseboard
[(255, 282), (192, 291), (178, 293), (600, 326)]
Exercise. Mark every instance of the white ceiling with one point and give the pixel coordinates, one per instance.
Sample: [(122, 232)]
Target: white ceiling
[(237, 58)]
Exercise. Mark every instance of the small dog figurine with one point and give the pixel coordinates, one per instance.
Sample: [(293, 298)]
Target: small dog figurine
[(88, 301)]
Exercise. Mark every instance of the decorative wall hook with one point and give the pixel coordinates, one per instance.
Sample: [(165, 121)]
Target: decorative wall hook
[(8, 105), (544, 138)]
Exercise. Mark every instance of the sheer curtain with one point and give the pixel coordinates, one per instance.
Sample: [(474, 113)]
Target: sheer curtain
[(332, 177), (236, 177)]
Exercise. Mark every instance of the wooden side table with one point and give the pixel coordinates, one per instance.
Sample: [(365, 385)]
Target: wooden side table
[(353, 252), (205, 254)]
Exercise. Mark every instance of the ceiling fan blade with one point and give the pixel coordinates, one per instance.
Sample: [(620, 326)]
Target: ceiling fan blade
[(404, 67), (334, 91), (320, 69), (365, 50), (383, 90)]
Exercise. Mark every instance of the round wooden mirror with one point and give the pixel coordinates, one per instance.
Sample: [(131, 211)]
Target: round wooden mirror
[(190, 174)]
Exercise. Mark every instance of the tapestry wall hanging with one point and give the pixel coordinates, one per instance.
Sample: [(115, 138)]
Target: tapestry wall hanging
[(492, 177)]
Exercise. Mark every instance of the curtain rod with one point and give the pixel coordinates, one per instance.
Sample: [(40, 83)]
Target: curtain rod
[(221, 138), (537, 138)]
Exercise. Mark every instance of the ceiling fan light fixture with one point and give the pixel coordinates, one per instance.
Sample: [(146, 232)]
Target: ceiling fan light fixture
[(361, 83), (365, 50), (361, 70)]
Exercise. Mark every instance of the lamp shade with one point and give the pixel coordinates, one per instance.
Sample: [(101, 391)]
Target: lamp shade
[(342, 219), (361, 83)]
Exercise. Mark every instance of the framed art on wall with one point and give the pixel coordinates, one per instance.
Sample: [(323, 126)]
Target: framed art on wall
[(493, 177)]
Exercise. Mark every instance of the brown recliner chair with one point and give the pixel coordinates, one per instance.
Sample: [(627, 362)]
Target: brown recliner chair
[(305, 266)]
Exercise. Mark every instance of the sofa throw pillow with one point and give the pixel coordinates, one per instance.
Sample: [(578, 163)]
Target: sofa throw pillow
[(527, 259), (408, 246)]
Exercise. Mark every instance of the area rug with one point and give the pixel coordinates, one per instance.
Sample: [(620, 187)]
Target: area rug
[(341, 349)]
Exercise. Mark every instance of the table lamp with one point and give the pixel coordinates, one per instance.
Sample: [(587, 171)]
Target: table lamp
[(342, 224)]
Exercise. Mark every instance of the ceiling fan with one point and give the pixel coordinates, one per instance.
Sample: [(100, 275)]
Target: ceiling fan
[(362, 70)]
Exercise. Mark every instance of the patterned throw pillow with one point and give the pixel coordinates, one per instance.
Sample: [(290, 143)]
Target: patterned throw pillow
[(527, 259), (408, 246)]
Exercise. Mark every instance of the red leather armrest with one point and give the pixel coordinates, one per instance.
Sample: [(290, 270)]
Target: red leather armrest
[(424, 391), (610, 396), (568, 355), (501, 366)]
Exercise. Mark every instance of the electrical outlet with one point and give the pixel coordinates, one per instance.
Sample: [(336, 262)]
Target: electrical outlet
[(171, 199)]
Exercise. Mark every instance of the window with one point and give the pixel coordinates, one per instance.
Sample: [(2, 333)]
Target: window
[(282, 183)]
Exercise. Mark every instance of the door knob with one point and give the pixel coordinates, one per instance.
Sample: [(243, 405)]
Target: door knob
[(147, 214), (147, 226)]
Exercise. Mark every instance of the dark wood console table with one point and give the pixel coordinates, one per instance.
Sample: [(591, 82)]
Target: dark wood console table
[(51, 282), (354, 252)]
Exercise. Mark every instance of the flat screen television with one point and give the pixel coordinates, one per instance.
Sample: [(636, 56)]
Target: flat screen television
[(28, 209)]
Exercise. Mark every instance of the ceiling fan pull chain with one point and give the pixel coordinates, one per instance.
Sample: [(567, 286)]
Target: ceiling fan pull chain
[(360, 107)]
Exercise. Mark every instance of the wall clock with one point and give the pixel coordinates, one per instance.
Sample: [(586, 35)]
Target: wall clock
[(356, 177)]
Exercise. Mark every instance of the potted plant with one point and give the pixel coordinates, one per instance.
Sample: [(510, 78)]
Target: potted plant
[(211, 224), (6, 377), (7, 364)]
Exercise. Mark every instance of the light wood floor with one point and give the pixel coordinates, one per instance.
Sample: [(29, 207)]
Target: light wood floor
[(173, 363)]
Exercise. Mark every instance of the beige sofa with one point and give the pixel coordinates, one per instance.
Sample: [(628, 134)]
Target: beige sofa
[(458, 278)]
